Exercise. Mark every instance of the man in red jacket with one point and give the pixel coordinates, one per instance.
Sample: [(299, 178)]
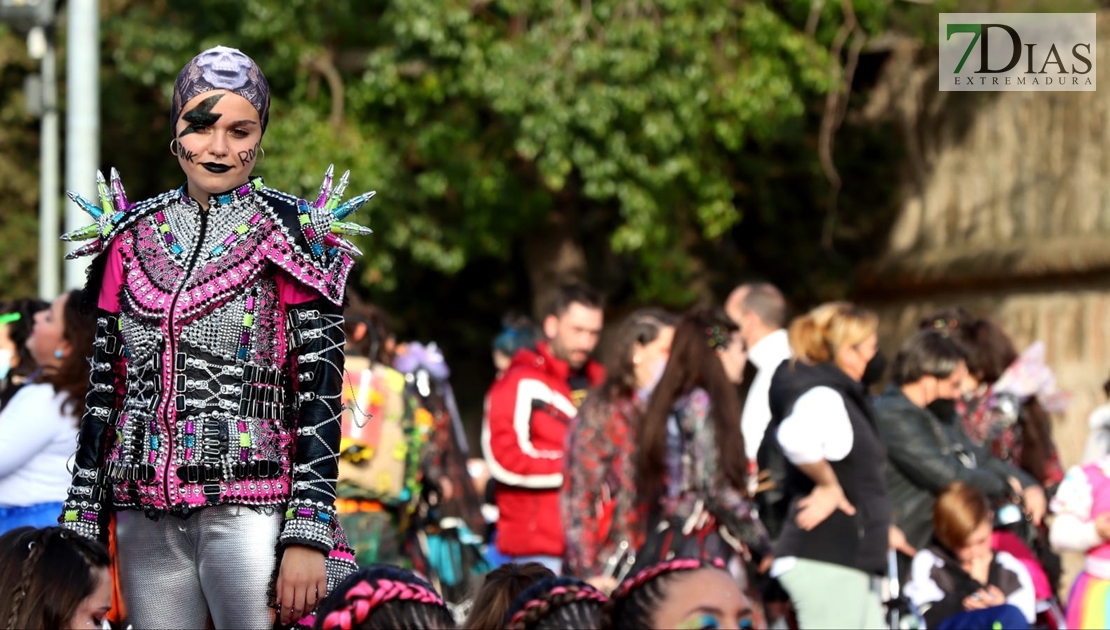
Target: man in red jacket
[(528, 412)]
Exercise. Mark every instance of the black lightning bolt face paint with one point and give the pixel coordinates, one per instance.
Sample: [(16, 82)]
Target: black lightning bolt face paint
[(201, 115)]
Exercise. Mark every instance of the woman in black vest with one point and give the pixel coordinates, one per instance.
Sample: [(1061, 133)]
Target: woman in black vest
[(834, 541)]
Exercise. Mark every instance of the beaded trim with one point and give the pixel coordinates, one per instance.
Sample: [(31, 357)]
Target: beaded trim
[(311, 521), (248, 326), (82, 516), (167, 234)]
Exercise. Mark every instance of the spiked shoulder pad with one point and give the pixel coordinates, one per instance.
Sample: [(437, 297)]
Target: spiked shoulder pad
[(111, 217), (313, 248)]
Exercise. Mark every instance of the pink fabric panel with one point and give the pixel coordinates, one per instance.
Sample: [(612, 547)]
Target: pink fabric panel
[(1010, 543), (113, 278), (291, 292), (1100, 502)]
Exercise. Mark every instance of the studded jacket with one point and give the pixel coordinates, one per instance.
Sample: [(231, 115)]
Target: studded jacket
[(217, 367)]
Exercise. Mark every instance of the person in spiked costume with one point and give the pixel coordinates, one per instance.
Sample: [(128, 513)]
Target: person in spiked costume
[(212, 426)]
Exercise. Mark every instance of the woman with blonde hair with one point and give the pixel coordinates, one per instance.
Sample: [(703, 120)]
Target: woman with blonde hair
[(835, 537)]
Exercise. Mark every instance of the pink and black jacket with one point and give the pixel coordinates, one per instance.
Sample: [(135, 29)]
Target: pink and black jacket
[(217, 367)]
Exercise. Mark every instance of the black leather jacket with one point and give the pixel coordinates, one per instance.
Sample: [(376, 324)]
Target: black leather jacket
[(924, 455)]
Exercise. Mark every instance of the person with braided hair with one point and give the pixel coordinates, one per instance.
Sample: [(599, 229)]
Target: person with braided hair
[(556, 603), (384, 597), (679, 593), (53, 578), (492, 601)]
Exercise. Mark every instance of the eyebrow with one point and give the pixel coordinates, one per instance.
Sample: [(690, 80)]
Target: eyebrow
[(711, 610), (239, 123)]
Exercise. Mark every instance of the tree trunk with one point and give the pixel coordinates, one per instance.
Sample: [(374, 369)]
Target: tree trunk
[(554, 257)]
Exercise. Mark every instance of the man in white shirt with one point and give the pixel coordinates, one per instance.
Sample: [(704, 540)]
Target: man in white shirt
[(760, 310)]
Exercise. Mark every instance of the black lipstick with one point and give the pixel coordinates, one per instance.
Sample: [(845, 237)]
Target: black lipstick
[(213, 167)]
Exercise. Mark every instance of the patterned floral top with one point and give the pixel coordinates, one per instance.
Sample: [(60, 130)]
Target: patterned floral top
[(991, 421), (694, 474), (599, 476)]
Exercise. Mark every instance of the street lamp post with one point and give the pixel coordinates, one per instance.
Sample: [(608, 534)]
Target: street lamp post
[(82, 119)]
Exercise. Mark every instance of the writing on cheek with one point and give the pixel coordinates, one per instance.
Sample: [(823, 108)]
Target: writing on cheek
[(201, 115), (246, 157), (188, 155)]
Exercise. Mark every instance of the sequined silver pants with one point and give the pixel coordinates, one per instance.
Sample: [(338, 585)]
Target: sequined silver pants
[(176, 572)]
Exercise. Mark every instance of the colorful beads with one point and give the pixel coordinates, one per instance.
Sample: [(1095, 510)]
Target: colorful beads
[(239, 231), (244, 441), (167, 235), (190, 439), (248, 328)]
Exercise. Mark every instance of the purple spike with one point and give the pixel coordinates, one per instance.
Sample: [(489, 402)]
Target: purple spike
[(92, 248), (342, 244), (119, 196), (325, 188)]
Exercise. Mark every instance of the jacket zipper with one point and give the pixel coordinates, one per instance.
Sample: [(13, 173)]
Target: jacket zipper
[(171, 338)]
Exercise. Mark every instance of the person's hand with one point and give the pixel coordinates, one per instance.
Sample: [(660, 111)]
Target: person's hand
[(479, 473), (988, 597), (899, 543), (1102, 526), (604, 583), (302, 582), (1015, 485), (446, 489), (765, 564), (979, 567), (1035, 503), (819, 504)]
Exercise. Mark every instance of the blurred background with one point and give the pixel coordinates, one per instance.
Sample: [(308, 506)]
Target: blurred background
[(664, 151)]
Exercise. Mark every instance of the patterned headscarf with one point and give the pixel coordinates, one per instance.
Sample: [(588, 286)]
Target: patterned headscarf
[(221, 68)]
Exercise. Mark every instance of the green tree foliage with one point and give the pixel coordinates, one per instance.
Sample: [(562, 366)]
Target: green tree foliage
[(19, 165), (482, 121), (660, 148)]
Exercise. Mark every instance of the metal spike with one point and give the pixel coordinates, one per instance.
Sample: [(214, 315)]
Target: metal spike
[(337, 192), (119, 196), (343, 211), (325, 188), (94, 247), (342, 244), (85, 205), (106, 202), (82, 234), (350, 229)]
